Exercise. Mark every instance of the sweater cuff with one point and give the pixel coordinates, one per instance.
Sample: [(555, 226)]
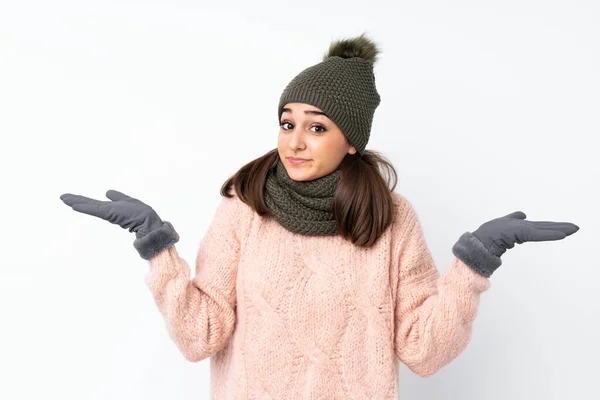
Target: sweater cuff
[(473, 253), (156, 241)]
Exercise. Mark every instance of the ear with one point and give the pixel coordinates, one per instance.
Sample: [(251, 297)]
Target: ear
[(352, 150)]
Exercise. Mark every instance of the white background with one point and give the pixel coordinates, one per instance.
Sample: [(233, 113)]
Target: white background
[(488, 107)]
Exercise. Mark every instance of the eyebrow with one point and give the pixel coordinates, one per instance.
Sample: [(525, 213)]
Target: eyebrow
[(307, 112)]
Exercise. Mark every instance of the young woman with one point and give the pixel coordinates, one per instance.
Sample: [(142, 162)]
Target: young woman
[(314, 278)]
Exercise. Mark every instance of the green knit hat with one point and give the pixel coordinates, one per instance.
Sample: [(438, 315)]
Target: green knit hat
[(343, 86)]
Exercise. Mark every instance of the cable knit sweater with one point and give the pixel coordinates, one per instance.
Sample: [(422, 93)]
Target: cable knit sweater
[(287, 316)]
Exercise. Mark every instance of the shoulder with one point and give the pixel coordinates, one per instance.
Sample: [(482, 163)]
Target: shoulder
[(405, 215), (236, 212), (234, 207), (403, 208)]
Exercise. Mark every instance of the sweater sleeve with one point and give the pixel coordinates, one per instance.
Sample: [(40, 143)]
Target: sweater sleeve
[(200, 313), (433, 314)]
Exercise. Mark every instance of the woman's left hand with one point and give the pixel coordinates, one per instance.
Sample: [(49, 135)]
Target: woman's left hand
[(502, 233)]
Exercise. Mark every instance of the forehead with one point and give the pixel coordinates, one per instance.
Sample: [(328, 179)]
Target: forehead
[(302, 106)]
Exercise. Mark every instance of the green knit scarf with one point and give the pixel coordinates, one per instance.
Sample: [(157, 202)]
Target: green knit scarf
[(303, 207)]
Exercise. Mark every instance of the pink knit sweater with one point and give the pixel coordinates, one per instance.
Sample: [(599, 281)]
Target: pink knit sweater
[(287, 316)]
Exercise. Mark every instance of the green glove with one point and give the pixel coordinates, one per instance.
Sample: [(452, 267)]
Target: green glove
[(152, 234), (481, 250)]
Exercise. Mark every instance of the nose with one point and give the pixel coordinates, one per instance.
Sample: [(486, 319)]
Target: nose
[(296, 140)]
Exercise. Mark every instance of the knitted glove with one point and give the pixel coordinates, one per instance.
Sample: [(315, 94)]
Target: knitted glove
[(481, 250), (152, 234)]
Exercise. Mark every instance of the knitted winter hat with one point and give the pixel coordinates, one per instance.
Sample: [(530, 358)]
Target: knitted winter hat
[(343, 86)]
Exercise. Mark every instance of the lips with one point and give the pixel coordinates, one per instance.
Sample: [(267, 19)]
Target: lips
[(293, 160)]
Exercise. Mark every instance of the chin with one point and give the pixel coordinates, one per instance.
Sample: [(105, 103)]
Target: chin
[(298, 174)]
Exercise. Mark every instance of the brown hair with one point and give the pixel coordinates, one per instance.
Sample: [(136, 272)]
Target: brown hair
[(362, 205)]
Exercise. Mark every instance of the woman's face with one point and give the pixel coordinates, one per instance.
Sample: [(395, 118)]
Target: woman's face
[(305, 132)]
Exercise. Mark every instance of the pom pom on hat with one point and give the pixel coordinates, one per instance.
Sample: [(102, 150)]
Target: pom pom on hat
[(359, 46)]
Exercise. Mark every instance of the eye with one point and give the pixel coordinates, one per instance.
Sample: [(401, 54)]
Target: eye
[(281, 124), (320, 126)]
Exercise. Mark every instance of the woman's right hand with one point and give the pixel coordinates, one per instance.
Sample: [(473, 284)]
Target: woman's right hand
[(122, 210), (153, 235)]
